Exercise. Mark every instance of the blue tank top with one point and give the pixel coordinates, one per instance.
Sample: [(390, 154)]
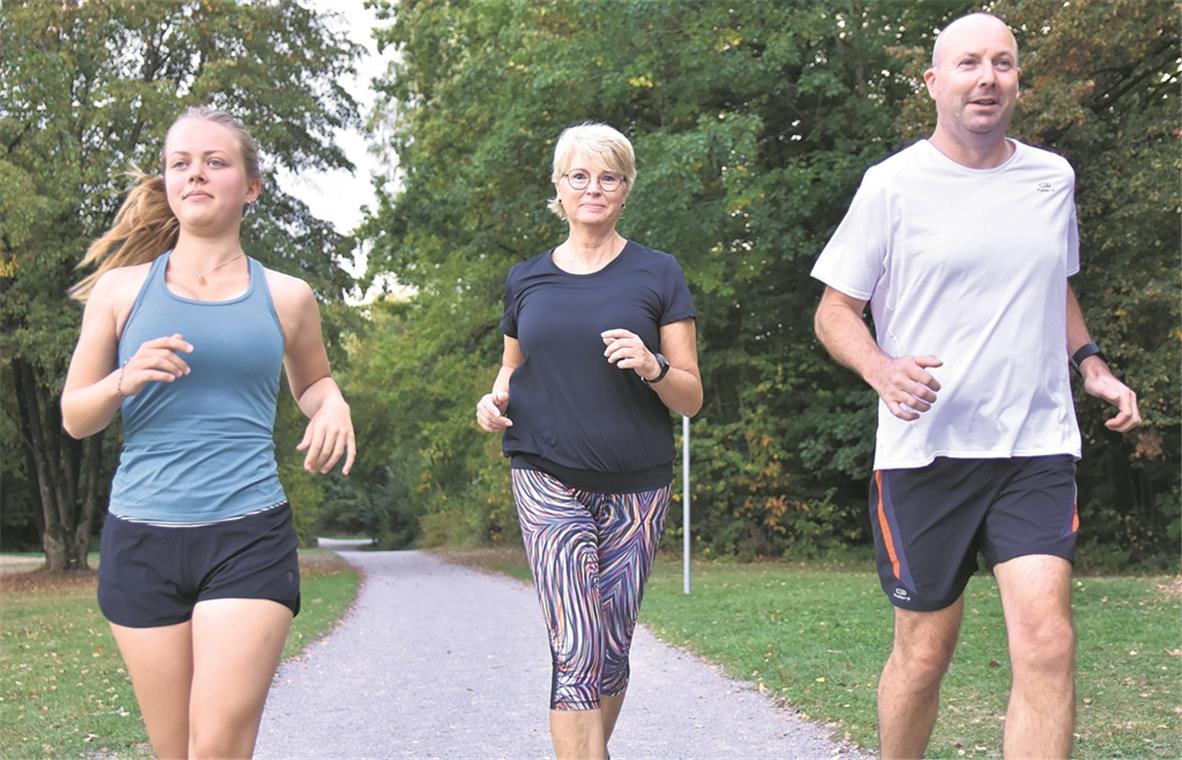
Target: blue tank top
[(202, 448)]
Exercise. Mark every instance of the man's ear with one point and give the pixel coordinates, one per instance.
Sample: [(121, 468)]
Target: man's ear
[(929, 79)]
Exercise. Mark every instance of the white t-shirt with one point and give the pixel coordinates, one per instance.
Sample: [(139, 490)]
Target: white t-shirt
[(969, 266)]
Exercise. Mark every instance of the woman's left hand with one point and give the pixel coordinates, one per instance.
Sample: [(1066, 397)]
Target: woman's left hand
[(626, 350), (329, 435)]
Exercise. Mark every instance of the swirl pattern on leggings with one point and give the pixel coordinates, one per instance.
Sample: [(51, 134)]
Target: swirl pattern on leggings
[(590, 554)]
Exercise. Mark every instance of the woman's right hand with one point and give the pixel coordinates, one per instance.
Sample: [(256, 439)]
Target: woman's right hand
[(155, 361), (490, 412)]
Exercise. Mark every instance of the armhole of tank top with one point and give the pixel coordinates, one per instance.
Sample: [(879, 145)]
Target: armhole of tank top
[(141, 296), (265, 288)]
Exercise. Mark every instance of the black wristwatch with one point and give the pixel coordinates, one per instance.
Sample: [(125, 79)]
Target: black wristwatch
[(663, 363), (1083, 352)]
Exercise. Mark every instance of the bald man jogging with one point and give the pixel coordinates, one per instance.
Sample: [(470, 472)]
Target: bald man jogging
[(962, 245)]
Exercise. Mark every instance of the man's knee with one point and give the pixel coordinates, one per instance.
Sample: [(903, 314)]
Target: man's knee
[(923, 662), (924, 642), (1043, 645)]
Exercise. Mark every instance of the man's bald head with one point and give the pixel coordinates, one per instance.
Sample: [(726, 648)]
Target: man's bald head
[(971, 24), (974, 83)]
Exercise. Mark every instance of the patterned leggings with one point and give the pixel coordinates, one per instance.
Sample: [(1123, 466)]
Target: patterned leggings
[(590, 554)]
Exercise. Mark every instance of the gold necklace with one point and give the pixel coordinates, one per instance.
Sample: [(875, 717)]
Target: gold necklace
[(201, 277)]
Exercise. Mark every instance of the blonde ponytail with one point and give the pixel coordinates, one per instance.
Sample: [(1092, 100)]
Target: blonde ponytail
[(144, 228)]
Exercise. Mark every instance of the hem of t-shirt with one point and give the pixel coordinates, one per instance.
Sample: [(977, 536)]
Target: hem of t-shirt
[(840, 287), (913, 464), (671, 318), (158, 517), (648, 479)]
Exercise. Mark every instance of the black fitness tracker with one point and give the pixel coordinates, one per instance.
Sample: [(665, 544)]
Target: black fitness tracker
[(1084, 351), (663, 363)]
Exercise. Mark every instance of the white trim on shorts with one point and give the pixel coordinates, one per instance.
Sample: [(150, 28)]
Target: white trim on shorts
[(174, 524)]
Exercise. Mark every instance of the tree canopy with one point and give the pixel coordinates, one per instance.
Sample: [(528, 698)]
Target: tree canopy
[(753, 123), (87, 90)]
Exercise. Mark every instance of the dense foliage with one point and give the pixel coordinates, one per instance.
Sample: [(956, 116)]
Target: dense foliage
[(87, 89), (753, 123)]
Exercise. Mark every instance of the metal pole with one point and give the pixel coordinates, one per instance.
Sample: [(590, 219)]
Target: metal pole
[(685, 502)]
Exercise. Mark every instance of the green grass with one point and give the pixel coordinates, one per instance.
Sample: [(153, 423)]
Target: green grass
[(63, 688), (816, 637)]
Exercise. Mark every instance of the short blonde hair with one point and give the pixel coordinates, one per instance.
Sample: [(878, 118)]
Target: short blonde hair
[(604, 145)]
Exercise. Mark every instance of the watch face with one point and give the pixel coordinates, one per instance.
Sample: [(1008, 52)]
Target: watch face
[(663, 363)]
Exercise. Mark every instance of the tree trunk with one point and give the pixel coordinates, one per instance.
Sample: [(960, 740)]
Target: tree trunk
[(55, 467), (26, 446), (92, 457)]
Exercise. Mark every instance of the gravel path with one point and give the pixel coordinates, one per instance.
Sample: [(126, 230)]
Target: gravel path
[(19, 564), (440, 661)]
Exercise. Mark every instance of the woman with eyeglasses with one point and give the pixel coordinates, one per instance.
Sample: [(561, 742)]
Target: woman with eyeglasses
[(599, 347)]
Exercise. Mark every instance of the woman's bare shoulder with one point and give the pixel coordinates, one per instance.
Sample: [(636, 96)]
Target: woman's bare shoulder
[(120, 286), (292, 296), (286, 286)]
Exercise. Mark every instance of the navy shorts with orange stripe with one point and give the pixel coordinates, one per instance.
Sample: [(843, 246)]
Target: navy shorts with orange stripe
[(930, 522)]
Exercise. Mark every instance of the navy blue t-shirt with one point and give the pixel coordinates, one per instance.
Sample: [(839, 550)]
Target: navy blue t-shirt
[(575, 416)]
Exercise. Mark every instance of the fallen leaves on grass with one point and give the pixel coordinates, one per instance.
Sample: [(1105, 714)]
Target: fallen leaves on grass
[(322, 564), (38, 581), (43, 581), (1171, 589)]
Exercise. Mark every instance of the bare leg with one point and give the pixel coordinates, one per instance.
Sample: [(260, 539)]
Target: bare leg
[(1036, 598), (909, 689), (610, 705), (578, 734), (160, 663), (236, 648)]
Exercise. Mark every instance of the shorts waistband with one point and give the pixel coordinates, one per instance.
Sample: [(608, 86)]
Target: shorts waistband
[(180, 524)]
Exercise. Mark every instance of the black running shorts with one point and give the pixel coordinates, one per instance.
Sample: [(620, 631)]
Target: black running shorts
[(930, 522), (152, 575)]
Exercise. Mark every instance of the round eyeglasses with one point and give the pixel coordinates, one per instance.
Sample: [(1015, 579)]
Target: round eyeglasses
[(581, 180)]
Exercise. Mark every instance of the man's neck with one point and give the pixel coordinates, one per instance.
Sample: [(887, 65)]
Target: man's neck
[(973, 151)]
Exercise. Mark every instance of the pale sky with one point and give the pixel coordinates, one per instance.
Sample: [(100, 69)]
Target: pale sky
[(338, 196)]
